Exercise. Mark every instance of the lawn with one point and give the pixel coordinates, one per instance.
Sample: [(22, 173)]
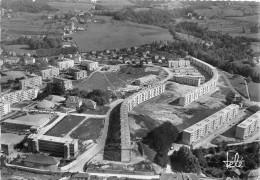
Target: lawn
[(117, 34), (65, 126), (254, 91), (239, 84)]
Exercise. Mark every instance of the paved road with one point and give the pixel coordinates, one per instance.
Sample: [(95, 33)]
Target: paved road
[(127, 176), (88, 155)]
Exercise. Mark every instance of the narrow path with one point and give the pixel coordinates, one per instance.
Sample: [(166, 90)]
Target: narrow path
[(85, 79), (119, 78), (109, 81)]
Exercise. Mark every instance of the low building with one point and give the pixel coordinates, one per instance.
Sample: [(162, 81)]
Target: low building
[(80, 176), (145, 80), (65, 84), (73, 102), (57, 146), (29, 60), (9, 141), (20, 95), (4, 109), (77, 73), (65, 64), (209, 124), (90, 65), (50, 72), (55, 98), (77, 58), (45, 104), (30, 82), (248, 126), (41, 162), (11, 60)]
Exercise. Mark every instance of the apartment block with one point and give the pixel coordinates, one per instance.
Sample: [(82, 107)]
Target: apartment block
[(77, 73), (189, 80), (50, 72), (57, 146), (206, 88), (146, 80), (130, 103), (248, 126), (178, 64), (20, 95), (90, 65), (65, 64), (4, 109), (209, 124), (65, 84), (30, 82)]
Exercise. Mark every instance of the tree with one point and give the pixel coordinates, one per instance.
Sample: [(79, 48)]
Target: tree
[(186, 160)]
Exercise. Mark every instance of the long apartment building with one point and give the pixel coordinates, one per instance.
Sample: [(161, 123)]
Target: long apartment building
[(90, 65), (145, 80), (4, 109), (189, 80), (130, 103), (30, 82), (248, 126), (209, 124), (65, 64), (56, 146), (50, 72), (20, 95), (178, 64), (78, 73), (65, 84), (203, 89)]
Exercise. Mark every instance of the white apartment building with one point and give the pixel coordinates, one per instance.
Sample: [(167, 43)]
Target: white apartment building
[(50, 72), (4, 109), (207, 125), (30, 82), (65, 64), (189, 80), (20, 95), (178, 64), (248, 126), (29, 60), (90, 65), (130, 103)]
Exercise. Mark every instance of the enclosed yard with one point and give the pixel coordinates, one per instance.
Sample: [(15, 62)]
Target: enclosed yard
[(65, 125)]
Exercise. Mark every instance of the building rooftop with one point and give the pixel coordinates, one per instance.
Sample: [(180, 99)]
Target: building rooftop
[(8, 138), (56, 139), (250, 120)]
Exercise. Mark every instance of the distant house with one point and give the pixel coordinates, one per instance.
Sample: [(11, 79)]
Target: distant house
[(73, 102), (66, 44), (89, 104), (11, 60), (41, 162), (29, 60), (80, 176), (74, 19)]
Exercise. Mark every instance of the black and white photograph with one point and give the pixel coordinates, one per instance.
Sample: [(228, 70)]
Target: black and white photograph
[(130, 89)]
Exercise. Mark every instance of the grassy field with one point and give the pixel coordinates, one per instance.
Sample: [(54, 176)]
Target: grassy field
[(89, 130), (255, 46), (254, 91), (112, 35), (65, 125), (67, 6), (115, 4), (239, 84)]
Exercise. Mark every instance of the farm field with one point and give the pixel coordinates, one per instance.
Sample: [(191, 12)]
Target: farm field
[(65, 126), (67, 6), (112, 35)]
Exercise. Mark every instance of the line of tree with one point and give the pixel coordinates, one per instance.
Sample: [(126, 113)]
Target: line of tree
[(160, 140), (27, 6), (34, 43), (56, 51)]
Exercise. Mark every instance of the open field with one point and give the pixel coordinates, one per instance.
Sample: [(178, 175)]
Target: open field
[(255, 46), (67, 6), (115, 4), (65, 125), (112, 35), (11, 75)]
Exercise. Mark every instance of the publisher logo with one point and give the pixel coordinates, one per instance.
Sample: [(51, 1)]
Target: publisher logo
[(233, 163)]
